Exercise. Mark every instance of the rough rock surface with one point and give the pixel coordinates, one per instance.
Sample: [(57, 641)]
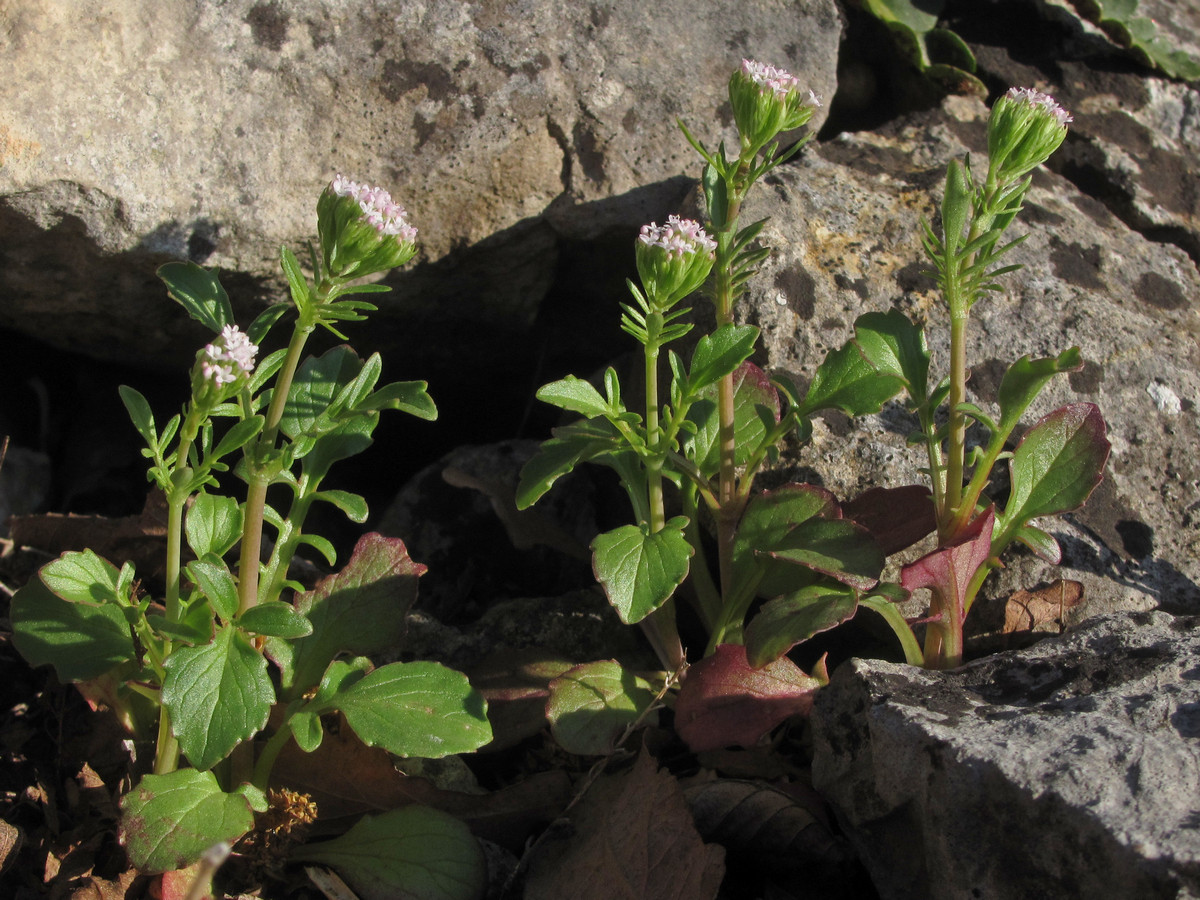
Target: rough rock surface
[(1070, 769), (205, 131), (845, 224)]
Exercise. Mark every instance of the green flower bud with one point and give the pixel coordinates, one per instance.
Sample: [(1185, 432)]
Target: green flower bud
[(767, 101), (673, 260), (362, 230), (1025, 127)]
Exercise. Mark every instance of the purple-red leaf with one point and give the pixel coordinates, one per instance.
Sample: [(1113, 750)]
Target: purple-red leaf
[(896, 517), (948, 571), (725, 701)]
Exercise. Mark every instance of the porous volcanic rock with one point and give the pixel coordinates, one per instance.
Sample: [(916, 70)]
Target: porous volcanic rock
[(138, 132), (1069, 769), (845, 222)]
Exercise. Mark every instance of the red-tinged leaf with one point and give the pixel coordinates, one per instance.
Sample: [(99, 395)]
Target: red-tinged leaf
[(358, 611), (632, 837), (896, 517), (724, 700), (516, 685), (947, 571)]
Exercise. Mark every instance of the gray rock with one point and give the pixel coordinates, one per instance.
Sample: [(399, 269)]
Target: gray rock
[(205, 131), (845, 225), (1070, 769)]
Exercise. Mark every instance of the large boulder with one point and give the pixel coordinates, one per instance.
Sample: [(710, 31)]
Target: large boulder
[(138, 132), (1070, 769)]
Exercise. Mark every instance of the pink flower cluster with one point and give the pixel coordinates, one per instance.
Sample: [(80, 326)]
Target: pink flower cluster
[(379, 209), (679, 237), (228, 357), (779, 81), (1045, 101)]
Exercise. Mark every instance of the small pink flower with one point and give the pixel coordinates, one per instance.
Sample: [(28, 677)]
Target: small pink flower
[(228, 357), (679, 237), (378, 207), (1037, 98)]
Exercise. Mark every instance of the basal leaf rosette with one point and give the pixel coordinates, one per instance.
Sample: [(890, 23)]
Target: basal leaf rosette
[(362, 229), (1025, 127), (767, 101)]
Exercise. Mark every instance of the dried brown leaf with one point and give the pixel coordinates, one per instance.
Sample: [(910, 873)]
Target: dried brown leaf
[(345, 777), (1042, 610), (633, 839)]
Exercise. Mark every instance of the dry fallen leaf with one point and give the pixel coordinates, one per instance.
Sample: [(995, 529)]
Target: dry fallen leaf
[(633, 839), (1042, 610), (345, 777)]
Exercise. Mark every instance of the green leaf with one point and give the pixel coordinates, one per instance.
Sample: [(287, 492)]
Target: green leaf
[(1055, 467), (720, 353), (412, 853), (199, 292), (348, 438), (216, 582), (716, 197), (574, 395), (317, 381), (140, 414), (322, 545), (754, 401), (301, 295), (407, 396), (839, 548), (895, 346), (591, 705), (768, 518), (353, 505), (358, 611), (1025, 379), (556, 457), (275, 619), (169, 821), (218, 695), (639, 570), (262, 324), (845, 380), (82, 577), (787, 621), (81, 641), (416, 709), (1118, 19), (213, 524), (238, 436)]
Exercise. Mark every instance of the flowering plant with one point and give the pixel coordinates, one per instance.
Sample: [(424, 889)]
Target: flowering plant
[(222, 670), (795, 557)]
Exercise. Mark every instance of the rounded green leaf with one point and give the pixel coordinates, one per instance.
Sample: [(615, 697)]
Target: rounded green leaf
[(218, 694), (213, 524), (786, 621), (199, 291), (591, 705), (81, 641), (416, 709), (639, 570), (275, 619), (170, 821), (81, 577), (574, 395), (412, 853)]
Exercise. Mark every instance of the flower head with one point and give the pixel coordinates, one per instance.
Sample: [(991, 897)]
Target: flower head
[(1025, 127), (362, 229), (673, 259), (767, 101), (228, 358)]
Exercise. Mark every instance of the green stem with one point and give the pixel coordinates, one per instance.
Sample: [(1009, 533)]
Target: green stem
[(256, 495), (956, 429), (166, 753), (895, 619)]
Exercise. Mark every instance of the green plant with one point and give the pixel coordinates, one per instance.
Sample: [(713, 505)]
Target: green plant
[(223, 670), (792, 562)]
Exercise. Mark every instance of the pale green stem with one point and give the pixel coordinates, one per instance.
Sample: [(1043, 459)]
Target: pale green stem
[(956, 429), (266, 759), (256, 495)]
